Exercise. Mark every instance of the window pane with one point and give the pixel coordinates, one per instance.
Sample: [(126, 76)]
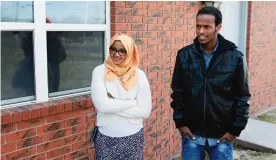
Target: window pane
[(17, 11), (72, 56), (76, 12), (17, 70)]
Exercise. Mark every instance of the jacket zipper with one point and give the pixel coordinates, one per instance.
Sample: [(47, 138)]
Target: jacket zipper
[(205, 84)]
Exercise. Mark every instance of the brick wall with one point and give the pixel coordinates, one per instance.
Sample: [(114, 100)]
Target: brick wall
[(159, 29), (59, 129), (54, 130), (261, 55)]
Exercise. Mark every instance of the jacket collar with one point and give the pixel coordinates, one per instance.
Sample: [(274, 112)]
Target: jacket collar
[(223, 46)]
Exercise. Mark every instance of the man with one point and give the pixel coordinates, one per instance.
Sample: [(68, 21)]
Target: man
[(210, 95)]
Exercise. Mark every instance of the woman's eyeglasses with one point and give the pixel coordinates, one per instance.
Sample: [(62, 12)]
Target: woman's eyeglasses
[(113, 50)]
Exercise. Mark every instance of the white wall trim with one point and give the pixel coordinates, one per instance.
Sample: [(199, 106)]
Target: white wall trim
[(244, 8), (40, 52), (76, 27), (12, 26), (108, 28)]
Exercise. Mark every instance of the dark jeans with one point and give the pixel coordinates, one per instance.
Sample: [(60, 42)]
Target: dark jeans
[(195, 151)]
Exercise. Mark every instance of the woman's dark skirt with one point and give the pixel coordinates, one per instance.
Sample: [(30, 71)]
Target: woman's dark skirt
[(120, 148)]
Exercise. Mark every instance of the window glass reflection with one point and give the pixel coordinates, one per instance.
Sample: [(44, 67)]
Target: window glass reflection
[(17, 66), (76, 12), (17, 11)]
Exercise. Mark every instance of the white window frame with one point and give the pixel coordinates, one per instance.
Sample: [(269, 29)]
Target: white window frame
[(40, 28)]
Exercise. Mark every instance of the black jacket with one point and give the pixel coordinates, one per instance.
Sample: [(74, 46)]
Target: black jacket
[(212, 101)]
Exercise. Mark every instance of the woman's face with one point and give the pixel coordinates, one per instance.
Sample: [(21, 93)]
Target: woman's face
[(117, 52)]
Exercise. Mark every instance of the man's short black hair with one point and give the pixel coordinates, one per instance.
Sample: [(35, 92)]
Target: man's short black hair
[(211, 11)]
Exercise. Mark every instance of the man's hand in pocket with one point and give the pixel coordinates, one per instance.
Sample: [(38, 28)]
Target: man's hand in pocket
[(185, 131)]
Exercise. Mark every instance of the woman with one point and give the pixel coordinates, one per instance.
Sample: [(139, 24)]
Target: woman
[(121, 95)]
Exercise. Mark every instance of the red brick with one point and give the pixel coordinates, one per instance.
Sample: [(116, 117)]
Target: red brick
[(89, 102), (133, 4), (164, 47), (6, 116), (168, 40), (58, 152), (79, 128), (20, 135), (169, 14), (21, 153), (176, 46), (150, 34), (177, 21), (74, 138), (7, 128), (9, 147), (154, 13), (150, 20), (182, 28), (154, 27), (140, 41), (68, 105), (150, 5), (60, 108), (76, 154), (176, 8), (180, 15), (30, 123), (91, 117), (120, 27), (152, 75), (26, 112), (58, 117), (30, 141), (79, 145), (59, 158), (120, 4), (44, 111), (165, 20), (50, 127), (50, 145), (180, 40), (165, 34), (75, 121), (139, 27), (3, 139), (58, 134), (36, 112), (139, 12), (164, 7), (133, 19), (78, 113), (154, 41), (16, 114), (41, 156), (177, 34), (181, 3), (91, 153), (121, 11), (169, 27), (191, 16), (149, 48)]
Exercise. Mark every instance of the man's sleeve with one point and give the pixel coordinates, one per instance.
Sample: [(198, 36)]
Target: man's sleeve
[(177, 95), (242, 97)]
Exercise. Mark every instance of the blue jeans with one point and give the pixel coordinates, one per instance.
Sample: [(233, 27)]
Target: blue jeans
[(191, 150)]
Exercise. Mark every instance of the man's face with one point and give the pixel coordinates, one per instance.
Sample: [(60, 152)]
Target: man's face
[(206, 29)]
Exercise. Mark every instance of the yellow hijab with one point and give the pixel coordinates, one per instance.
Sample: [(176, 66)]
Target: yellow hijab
[(126, 70)]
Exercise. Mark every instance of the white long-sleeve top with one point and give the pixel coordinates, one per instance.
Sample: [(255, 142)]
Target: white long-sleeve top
[(123, 115)]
